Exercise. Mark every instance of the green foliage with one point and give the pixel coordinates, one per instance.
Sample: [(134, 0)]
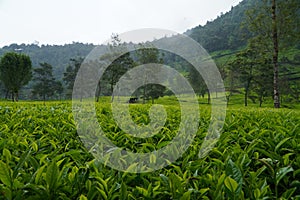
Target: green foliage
[(275, 32), (119, 64), (45, 84), (15, 72), (225, 32), (257, 156), (259, 22), (148, 56), (56, 55), (70, 74), (252, 70)]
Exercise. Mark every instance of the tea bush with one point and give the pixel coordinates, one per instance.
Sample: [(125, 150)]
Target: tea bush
[(256, 157)]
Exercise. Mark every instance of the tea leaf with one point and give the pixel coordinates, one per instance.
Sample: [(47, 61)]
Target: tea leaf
[(282, 172), (5, 174), (231, 184), (52, 174)]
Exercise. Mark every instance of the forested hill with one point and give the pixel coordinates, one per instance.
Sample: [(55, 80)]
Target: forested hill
[(225, 32), (57, 55), (229, 31)]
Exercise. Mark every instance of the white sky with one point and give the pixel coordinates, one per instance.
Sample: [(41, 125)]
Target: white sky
[(93, 21)]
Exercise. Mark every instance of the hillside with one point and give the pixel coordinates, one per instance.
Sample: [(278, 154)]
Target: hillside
[(225, 32), (57, 55), (229, 31)]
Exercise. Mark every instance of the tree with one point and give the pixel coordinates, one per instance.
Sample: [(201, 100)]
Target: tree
[(263, 78), (274, 25), (15, 72), (45, 84), (252, 67), (147, 56), (2, 89), (70, 74), (275, 54), (231, 76), (198, 83), (58, 88), (244, 66), (118, 66)]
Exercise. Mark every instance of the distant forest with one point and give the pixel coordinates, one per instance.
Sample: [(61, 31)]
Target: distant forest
[(57, 55)]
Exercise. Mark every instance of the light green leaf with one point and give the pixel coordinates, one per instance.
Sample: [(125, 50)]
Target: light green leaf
[(234, 172), (186, 195), (142, 191), (131, 169), (256, 193), (103, 183), (34, 146), (5, 174), (82, 197), (38, 174), (7, 154), (231, 184), (102, 193), (152, 158), (203, 191), (281, 143)]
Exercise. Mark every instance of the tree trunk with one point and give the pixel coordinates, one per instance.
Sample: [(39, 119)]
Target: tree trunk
[(260, 101), (261, 98), (12, 96), (228, 97), (246, 96), (17, 96), (275, 56), (208, 97), (7, 94), (112, 90), (112, 98), (247, 88), (144, 94), (98, 92)]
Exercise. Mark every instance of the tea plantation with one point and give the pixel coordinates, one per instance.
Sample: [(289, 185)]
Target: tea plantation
[(42, 157)]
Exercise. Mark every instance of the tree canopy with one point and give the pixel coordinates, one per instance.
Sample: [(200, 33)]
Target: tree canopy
[(45, 84), (15, 72)]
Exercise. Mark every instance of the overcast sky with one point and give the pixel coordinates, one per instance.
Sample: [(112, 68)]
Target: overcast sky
[(93, 21)]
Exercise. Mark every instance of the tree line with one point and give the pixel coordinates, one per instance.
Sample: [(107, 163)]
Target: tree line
[(274, 29), (117, 68), (261, 34), (16, 71)]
